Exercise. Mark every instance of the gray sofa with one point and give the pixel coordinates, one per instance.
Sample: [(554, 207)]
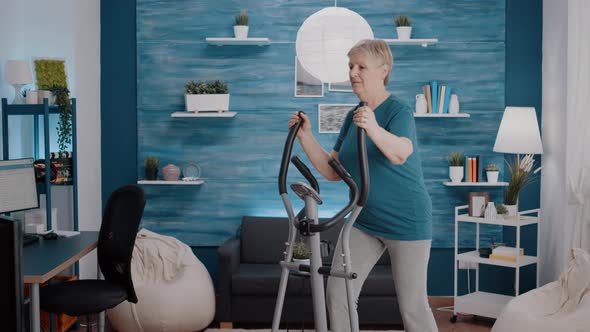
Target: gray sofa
[(249, 275)]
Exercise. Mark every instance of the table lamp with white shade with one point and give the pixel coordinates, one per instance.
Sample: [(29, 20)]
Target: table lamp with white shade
[(519, 134), (17, 73)]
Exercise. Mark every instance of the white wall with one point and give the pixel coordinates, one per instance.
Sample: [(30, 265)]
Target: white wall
[(553, 187), (67, 29)]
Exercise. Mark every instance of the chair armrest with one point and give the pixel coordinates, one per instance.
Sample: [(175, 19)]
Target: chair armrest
[(229, 261)]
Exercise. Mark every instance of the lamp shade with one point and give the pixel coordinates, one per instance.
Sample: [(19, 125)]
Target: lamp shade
[(519, 132), (324, 39), (17, 72)]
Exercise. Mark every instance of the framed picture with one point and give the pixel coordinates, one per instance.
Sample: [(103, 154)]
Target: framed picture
[(477, 203), (305, 84), (331, 117), (340, 87)]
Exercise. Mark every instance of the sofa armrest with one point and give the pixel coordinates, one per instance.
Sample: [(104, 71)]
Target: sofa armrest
[(229, 261)]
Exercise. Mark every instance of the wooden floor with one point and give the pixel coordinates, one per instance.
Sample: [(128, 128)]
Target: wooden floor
[(465, 323)]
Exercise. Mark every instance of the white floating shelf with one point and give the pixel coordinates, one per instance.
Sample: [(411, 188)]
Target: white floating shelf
[(422, 42), (441, 115), (180, 182), (236, 41), (203, 114), (475, 184), (473, 256)]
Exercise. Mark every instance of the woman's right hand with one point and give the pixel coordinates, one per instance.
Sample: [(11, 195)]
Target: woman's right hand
[(305, 128)]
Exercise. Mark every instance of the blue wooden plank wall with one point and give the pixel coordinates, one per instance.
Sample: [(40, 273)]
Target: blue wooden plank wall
[(240, 156)]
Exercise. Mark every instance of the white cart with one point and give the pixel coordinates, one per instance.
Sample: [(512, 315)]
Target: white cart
[(483, 303)]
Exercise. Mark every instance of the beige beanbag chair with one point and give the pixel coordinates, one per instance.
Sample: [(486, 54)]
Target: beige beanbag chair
[(562, 305), (174, 289)]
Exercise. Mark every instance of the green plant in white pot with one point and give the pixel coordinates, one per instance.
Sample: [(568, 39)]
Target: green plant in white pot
[(206, 96), (403, 27), (301, 253), (521, 175), (241, 25), (456, 162), (492, 173)]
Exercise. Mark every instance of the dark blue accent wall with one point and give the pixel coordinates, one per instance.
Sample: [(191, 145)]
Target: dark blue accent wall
[(522, 87), (118, 99)]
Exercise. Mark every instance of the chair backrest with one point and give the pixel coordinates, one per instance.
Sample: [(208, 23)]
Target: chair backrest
[(11, 300), (120, 223)]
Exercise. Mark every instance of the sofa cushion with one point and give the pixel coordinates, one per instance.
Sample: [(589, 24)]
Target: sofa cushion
[(263, 279), (263, 240)]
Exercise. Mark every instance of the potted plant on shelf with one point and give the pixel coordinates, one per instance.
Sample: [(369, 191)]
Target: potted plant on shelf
[(403, 27), (241, 26), (456, 162), (206, 96), (520, 177), (492, 172), (150, 165), (301, 253)]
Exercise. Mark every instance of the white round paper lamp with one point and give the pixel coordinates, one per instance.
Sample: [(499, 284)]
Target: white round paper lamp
[(324, 39)]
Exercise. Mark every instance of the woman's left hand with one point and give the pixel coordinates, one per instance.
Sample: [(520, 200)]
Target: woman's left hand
[(364, 117)]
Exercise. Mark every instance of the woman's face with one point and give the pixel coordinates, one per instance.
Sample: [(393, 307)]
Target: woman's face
[(366, 74)]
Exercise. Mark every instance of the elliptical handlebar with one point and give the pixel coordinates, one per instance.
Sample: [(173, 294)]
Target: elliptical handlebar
[(356, 198), (287, 155)]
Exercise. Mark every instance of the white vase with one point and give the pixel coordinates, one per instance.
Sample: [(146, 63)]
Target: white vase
[(456, 173), (301, 261), (454, 104), (404, 33), (492, 176), (512, 210), (420, 104), (206, 103), (241, 31), (491, 212)]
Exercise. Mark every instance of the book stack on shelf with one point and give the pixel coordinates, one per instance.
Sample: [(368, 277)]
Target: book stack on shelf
[(505, 253), (472, 169), (438, 97)]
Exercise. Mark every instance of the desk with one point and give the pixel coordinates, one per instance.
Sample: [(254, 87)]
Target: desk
[(44, 259)]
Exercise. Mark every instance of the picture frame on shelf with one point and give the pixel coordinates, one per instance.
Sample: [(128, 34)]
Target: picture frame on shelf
[(340, 87), (331, 117), (305, 84), (477, 203)]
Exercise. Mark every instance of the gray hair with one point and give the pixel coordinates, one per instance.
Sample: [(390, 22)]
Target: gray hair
[(376, 48)]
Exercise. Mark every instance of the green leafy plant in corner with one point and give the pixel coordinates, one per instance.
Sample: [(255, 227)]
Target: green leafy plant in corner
[(402, 21), (242, 18), (64, 126), (456, 159), (301, 250), (203, 87), (492, 168)]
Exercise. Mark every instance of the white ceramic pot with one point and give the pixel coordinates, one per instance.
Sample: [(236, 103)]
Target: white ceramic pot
[(41, 94), (213, 102), (404, 33), (241, 31), (512, 210), (171, 172), (492, 176), (421, 106), (456, 173), (491, 212)]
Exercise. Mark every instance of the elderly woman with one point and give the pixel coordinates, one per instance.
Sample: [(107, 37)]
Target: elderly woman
[(397, 216)]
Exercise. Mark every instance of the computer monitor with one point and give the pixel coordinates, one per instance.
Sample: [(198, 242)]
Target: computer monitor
[(18, 190), (11, 278)]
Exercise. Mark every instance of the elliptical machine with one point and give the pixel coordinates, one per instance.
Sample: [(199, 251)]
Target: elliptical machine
[(307, 223)]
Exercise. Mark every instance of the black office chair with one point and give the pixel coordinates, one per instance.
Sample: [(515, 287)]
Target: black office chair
[(11, 277), (116, 240)]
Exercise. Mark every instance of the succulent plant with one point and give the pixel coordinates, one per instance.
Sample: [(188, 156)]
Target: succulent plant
[(203, 88), (242, 18), (150, 163), (402, 21), (492, 168), (301, 250), (501, 209), (456, 159)]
